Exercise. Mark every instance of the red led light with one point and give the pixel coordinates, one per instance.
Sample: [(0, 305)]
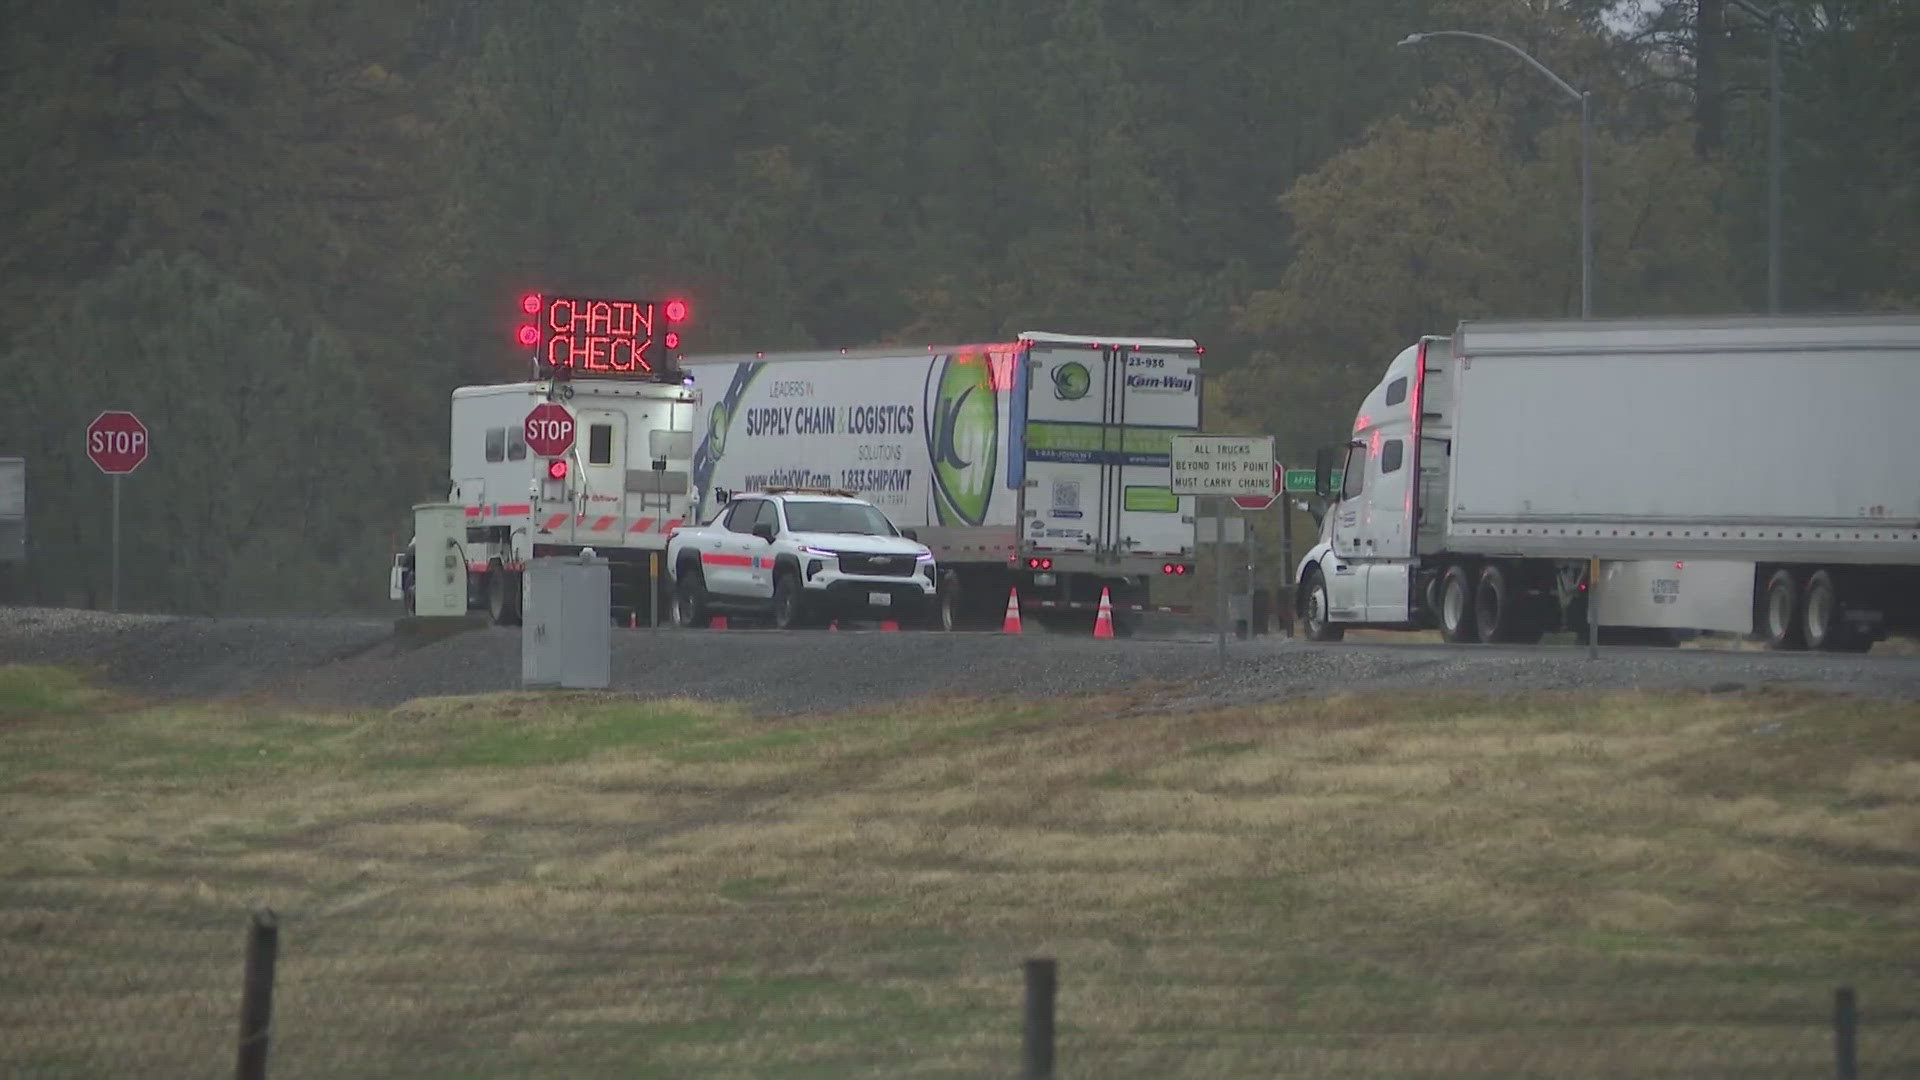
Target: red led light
[(676, 311), (557, 469), (530, 303), (673, 339), (529, 335)]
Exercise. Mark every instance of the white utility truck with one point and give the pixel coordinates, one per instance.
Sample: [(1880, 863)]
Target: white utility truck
[(592, 452), (1753, 476), (1038, 465)]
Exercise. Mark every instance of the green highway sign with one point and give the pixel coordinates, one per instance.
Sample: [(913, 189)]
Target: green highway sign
[(1300, 481)]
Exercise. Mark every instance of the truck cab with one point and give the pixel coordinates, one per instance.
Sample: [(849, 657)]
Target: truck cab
[(1390, 472)]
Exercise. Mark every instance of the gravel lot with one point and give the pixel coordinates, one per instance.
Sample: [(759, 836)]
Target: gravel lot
[(360, 663)]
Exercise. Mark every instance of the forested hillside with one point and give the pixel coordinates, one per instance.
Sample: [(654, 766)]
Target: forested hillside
[(283, 230)]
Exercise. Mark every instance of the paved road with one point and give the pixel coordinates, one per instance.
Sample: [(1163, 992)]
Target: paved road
[(360, 663)]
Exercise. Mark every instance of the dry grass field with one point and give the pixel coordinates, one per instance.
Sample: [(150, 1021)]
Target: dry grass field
[(590, 885)]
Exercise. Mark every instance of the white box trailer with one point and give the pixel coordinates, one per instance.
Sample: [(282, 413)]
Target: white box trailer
[(1749, 476), (1037, 464)]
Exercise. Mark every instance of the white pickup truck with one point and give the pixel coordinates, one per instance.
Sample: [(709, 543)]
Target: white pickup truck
[(800, 556)]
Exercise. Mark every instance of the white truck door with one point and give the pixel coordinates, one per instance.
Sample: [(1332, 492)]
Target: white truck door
[(1069, 441), (1346, 573), (724, 559), (1386, 537), (603, 471), (1159, 397)]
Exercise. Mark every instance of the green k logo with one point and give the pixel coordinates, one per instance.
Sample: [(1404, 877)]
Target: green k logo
[(1071, 381)]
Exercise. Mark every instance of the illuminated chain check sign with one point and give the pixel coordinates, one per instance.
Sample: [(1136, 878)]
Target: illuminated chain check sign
[(584, 336)]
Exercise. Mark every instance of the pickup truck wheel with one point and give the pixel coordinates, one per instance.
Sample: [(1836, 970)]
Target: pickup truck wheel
[(1826, 623), (1318, 614), (1786, 631), (946, 613), (503, 596), (789, 602), (1458, 625), (690, 600)]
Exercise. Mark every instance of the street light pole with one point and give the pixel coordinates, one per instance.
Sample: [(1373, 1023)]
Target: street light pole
[(1772, 16), (1586, 139), (1586, 205)]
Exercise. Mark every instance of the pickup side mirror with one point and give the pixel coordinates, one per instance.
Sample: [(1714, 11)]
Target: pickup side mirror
[(764, 532), (911, 534)]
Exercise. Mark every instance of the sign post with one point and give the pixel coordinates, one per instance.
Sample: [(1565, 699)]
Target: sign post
[(117, 442), (1225, 467)]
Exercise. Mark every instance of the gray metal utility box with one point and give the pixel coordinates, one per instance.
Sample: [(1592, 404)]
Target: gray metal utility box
[(566, 635)]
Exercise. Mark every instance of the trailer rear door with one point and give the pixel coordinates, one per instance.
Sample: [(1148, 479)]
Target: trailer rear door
[(1099, 423)]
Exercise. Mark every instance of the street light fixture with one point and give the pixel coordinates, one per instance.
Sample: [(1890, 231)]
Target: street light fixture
[(1586, 138), (1772, 17)]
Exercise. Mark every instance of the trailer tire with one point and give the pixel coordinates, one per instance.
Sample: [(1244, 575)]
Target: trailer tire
[(503, 596), (1458, 625), (1826, 624), (1500, 611), (1319, 610), (1780, 610), (690, 600)]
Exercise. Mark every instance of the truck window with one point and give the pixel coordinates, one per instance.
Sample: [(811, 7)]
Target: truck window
[(599, 444), (1356, 478), (769, 515), (496, 444), (1396, 393), (1390, 456), (741, 515), (516, 443)]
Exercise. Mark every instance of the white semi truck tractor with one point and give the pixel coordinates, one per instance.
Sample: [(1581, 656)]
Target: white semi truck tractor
[(1750, 476)]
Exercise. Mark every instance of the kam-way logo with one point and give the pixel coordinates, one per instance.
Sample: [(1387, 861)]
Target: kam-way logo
[(963, 437), (1071, 381)]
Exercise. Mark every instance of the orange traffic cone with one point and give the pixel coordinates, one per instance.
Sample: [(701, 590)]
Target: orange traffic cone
[(1012, 625), (1103, 622), (834, 625), (718, 622)]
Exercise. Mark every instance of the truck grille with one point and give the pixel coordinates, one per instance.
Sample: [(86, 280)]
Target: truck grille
[(887, 565)]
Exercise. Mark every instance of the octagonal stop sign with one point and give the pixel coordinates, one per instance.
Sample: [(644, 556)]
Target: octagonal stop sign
[(117, 442), (549, 430), (1261, 502)]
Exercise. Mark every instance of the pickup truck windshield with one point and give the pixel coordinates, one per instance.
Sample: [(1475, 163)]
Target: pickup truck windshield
[(826, 517)]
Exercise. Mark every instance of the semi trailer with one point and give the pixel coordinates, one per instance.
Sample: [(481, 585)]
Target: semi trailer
[(1036, 465), (1748, 476)]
